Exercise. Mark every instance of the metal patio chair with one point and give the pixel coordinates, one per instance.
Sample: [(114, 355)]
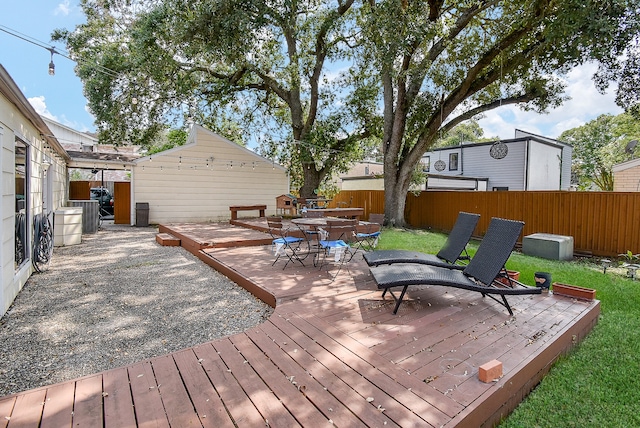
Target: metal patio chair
[(284, 244)]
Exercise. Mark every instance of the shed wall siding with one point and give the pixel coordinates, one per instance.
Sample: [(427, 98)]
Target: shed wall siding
[(627, 180), (179, 186)]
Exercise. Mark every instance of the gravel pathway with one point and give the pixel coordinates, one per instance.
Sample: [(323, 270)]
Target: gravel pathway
[(113, 300)]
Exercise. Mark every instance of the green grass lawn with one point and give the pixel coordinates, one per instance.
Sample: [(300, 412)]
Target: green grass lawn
[(598, 383)]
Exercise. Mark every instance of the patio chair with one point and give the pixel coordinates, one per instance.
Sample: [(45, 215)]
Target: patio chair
[(284, 244), (334, 241), (450, 255), (368, 241), (479, 275)]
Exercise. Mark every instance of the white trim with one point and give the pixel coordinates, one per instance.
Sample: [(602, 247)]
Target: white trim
[(626, 165)]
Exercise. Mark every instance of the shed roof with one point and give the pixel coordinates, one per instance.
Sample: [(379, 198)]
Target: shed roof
[(626, 165)]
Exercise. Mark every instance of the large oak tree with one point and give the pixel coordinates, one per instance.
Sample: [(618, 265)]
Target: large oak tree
[(443, 62), (416, 69), (261, 64)]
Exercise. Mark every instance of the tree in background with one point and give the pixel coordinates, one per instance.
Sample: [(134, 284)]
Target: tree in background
[(259, 64), (597, 146), (443, 62), (465, 132)]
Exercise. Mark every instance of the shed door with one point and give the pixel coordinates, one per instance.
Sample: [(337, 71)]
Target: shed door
[(122, 202)]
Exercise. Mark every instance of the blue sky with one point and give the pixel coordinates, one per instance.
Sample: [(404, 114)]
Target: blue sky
[(60, 97)]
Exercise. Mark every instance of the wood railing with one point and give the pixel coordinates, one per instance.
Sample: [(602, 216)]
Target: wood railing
[(601, 223)]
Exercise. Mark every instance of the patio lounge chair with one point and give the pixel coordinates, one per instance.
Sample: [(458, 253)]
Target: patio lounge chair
[(479, 275), (451, 252)]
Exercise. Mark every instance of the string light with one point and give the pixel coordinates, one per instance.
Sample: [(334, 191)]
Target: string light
[(52, 66)]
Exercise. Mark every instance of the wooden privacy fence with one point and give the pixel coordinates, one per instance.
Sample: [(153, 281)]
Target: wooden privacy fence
[(601, 223)]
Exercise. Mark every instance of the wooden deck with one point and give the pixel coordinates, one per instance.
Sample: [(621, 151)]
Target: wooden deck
[(332, 352)]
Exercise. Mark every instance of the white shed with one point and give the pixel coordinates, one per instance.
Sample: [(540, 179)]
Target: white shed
[(199, 181), (33, 181)]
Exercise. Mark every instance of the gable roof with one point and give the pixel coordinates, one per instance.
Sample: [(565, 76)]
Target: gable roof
[(626, 165), (192, 142)]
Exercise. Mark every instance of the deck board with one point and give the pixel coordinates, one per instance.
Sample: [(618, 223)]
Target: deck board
[(58, 406), (206, 400), (118, 403), (6, 408), (297, 375), (291, 397), (243, 412), (319, 365), (27, 410), (262, 396), (332, 352), (175, 399), (146, 397), (87, 408)]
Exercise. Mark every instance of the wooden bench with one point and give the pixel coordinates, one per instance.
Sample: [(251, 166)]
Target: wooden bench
[(235, 208)]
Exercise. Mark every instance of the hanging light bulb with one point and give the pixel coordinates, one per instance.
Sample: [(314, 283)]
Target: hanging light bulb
[(52, 66)]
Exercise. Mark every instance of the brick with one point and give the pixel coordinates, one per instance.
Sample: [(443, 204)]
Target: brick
[(488, 372)]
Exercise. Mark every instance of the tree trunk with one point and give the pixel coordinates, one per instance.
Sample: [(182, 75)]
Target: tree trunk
[(312, 179), (395, 197)]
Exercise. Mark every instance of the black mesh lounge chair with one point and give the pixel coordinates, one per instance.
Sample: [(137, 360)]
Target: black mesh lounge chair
[(454, 250), (479, 275)]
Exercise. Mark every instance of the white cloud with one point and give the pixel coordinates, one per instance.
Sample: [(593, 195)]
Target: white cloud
[(586, 104), (63, 8), (40, 106)]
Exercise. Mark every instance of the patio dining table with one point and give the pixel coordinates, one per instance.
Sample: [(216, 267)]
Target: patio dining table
[(339, 212), (316, 223)]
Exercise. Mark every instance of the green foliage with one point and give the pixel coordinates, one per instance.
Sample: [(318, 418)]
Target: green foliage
[(466, 132), (250, 70), (172, 138), (630, 257), (597, 146), (595, 385), (442, 63), (412, 71)]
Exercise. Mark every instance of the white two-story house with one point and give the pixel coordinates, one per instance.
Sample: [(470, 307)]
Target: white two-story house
[(526, 162)]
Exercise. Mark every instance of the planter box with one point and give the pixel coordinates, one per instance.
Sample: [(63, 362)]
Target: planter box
[(515, 275), (573, 291)]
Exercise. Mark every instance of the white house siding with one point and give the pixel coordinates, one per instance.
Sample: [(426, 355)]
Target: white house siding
[(532, 163), (180, 187), (545, 164), (363, 183), (475, 161), (504, 173), (18, 121)]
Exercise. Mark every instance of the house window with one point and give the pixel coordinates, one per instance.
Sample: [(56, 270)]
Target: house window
[(21, 201), (453, 161), (366, 170), (500, 188), (426, 163)]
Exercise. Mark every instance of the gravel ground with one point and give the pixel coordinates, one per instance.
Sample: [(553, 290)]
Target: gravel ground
[(115, 299)]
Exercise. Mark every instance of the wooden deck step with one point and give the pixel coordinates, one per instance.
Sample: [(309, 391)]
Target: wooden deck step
[(167, 240)]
